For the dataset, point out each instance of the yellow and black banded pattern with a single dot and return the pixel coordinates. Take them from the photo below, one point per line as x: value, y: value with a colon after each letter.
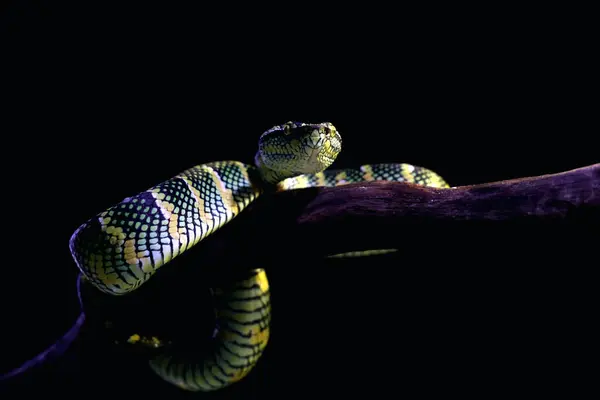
x: 122, y: 247
x: 369, y: 172
x: 243, y: 317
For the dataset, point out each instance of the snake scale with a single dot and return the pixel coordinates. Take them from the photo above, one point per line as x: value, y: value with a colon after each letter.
x: 119, y: 249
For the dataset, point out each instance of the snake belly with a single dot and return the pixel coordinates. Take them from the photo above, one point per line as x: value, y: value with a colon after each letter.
x: 121, y: 248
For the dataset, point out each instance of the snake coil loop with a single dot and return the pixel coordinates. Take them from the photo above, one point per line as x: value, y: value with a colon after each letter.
x: 122, y: 247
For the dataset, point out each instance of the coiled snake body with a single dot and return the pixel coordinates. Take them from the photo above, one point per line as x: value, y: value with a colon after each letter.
x: 122, y: 247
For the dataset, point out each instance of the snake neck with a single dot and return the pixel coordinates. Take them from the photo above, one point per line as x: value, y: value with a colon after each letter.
x: 270, y: 177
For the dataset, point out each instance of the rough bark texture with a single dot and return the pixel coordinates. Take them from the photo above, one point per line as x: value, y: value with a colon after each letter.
x: 528, y: 217
x: 522, y: 229
x: 543, y: 197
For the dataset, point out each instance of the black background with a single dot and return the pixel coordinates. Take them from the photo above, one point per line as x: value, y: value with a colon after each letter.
x: 104, y: 101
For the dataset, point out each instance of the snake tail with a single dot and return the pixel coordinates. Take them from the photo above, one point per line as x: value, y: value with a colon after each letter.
x: 243, y: 311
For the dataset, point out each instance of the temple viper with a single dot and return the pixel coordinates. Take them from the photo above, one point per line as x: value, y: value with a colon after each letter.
x: 119, y: 249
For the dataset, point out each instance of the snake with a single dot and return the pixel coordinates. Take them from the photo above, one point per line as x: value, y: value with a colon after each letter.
x: 122, y: 247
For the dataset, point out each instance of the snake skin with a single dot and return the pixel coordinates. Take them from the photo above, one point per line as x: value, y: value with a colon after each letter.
x: 369, y: 172
x: 122, y: 247
x: 125, y: 245
x: 243, y: 314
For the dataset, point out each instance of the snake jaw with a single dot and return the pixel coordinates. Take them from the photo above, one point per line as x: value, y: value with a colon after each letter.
x: 326, y: 148
x: 325, y: 144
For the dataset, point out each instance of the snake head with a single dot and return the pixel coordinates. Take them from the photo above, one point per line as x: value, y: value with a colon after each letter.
x: 297, y: 148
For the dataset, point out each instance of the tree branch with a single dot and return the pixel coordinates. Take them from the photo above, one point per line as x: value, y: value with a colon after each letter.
x: 480, y: 268
x: 548, y: 196
x: 492, y: 218
x: 517, y: 254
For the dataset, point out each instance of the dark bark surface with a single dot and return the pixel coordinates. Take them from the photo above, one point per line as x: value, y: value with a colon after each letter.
x: 532, y: 215
x: 491, y: 283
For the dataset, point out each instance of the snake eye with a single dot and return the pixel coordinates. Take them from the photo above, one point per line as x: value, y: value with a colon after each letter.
x: 287, y: 127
